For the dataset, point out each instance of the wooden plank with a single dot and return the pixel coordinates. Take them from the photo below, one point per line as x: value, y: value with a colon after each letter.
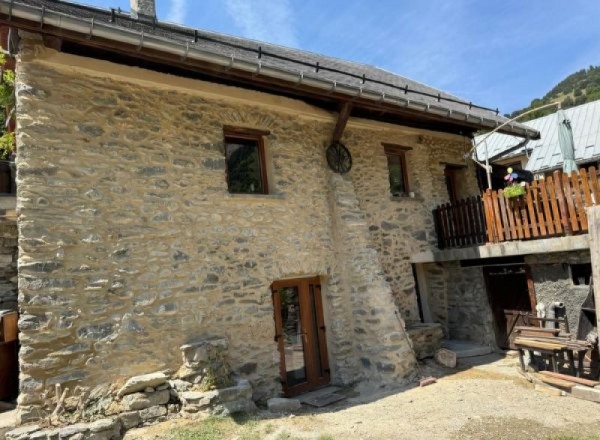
x: 538, y: 206
x: 533, y: 334
x: 558, y: 382
x: 594, y: 184
x: 530, y: 286
x: 526, y: 342
x: 510, y: 217
x: 505, y: 224
x: 549, y: 223
x: 453, y: 226
x: 556, y: 218
x: 585, y: 185
x: 470, y: 222
x: 567, y: 192
x: 532, y: 213
x: 497, y: 217
x: 474, y: 219
x: 475, y: 227
x: 446, y: 222
x: 480, y: 219
x: 515, y: 206
x: 540, y: 330
x: 467, y: 221
x: 579, y: 206
x: 446, y: 225
x: 579, y: 380
x: 524, y: 217
x: 490, y: 224
x: 464, y: 221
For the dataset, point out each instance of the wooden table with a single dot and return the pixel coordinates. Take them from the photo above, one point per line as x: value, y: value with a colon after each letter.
x: 554, y: 349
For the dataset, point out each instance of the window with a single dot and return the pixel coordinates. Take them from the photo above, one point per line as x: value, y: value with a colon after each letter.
x: 396, y: 159
x: 581, y: 274
x: 245, y: 161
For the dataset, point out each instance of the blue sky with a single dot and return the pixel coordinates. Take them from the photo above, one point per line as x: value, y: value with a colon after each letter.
x: 498, y: 53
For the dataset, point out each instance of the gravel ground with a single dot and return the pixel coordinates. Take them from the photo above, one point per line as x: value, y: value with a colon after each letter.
x: 488, y: 401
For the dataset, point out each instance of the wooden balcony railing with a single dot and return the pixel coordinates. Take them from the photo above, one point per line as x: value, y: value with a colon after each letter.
x: 551, y: 207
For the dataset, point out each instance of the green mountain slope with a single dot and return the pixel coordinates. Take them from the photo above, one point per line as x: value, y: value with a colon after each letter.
x: 576, y: 89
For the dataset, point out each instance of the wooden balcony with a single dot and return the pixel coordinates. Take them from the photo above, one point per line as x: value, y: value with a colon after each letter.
x: 552, y: 207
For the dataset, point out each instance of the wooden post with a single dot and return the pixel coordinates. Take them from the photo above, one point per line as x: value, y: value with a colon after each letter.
x: 593, y: 215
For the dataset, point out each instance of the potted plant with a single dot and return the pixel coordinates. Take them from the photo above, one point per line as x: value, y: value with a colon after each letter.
x: 513, y: 188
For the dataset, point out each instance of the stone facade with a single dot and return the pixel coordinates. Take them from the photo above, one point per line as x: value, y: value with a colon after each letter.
x: 457, y: 296
x: 131, y: 245
x: 458, y: 300
x: 401, y: 227
x: 553, y: 282
x: 426, y: 339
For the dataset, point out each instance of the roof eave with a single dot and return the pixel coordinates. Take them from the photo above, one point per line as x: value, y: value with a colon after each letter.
x: 10, y: 10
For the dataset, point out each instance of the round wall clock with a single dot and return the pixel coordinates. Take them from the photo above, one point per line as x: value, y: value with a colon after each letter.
x: 339, y: 158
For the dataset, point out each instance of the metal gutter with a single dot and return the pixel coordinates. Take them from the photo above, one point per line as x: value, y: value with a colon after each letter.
x: 186, y: 50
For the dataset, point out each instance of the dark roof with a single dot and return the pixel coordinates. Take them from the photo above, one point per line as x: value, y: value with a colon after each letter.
x: 291, y: 60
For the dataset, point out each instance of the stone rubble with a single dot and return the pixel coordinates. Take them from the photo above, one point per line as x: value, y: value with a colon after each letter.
x: 155, y: 397
x: 140, y: 383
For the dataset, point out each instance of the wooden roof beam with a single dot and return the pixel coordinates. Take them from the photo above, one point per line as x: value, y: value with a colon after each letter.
x: 342, y: 120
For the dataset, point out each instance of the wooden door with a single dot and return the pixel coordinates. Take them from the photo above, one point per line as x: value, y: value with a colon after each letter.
x: 510, y: 295
x: 300, y: 335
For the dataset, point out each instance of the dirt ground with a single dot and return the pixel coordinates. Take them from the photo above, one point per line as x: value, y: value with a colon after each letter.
x: 486, y: 399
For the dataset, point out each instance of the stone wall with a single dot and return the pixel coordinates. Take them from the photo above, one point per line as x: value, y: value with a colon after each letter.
x: 469, y: 312
x: 130, y: 242
x: 8, y: 265
x: 385, y: 354
x: 458, y: 300
x: 552, y: 282
x: 436, y: 293
x: 426, y: 339
x: 131, y: 245
x: 401, y: 227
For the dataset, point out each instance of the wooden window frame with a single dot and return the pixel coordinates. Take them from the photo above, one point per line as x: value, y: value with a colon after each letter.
x: 248, y: 134
x: 398, y: 151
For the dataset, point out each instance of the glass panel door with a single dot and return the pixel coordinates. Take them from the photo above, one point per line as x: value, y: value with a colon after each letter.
x: 300, y: 334
x: 293, y: 336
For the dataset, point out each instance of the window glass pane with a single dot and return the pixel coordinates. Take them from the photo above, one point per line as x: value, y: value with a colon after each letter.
x: 293, y: 336
x: 396, y: 173
x: 243, y: 166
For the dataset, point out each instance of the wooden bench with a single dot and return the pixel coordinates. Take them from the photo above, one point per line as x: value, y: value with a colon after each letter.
x: 552, y: 347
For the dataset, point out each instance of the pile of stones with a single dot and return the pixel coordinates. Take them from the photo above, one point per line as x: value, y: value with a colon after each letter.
x: 202, y: 386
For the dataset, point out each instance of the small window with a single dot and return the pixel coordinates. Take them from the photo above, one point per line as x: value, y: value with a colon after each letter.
x: 581, y: 274
x: 396, y: 159
x: 245, y: 161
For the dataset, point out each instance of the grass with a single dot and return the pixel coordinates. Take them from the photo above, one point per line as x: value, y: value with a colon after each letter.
x: 242, y: 428
x: 239, y: 428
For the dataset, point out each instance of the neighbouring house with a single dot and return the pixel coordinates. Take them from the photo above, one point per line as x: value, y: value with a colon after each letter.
x: 179, y: 189
x: 542, y: 156
x: 502, y: 256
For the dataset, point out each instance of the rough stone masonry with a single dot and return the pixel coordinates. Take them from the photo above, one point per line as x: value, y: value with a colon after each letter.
x: 131, y: 245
